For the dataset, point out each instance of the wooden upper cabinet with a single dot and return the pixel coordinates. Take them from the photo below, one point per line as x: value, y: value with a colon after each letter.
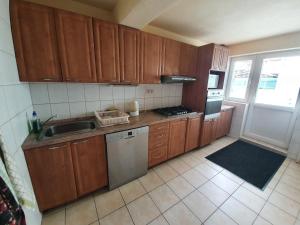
x: 151, y: 56
x: 106, y: 51
x: 90, y: 164
x: 129, y: 40
x: 220, y: 58
x: 76, y: 46
x: 171, y: 57
x: 193, y: 133
x: 177, y: 137
x: 34, y: 35
x: 52, y: 176
x: 188, y: 59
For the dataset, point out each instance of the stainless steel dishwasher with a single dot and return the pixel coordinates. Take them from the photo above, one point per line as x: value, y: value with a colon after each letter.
x: 127, y: 154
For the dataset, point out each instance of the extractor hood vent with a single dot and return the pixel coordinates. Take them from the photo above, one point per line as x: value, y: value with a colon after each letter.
x: 176, y: 79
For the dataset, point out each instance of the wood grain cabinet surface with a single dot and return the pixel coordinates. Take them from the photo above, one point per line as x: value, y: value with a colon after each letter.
x: 106, y: 40
x: 188, y: 60
x: 34, y: 35
x: 177, y: 137
x: 151, y: 58
x: 129, y: 42
x: 76, y: 46
x: 90, y: 167
x: 220, y: 58
x: 193, y: 133
x: 171, y: 57
x: 224, y: 123
x: 52, y: 176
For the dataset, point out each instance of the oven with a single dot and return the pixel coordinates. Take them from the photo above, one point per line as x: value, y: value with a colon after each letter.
x: 213, y: 103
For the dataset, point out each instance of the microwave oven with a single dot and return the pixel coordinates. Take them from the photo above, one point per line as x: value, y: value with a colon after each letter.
x: 213, y: 81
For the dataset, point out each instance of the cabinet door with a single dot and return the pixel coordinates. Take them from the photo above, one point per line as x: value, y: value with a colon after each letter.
x: 52, y: 175
x: 129, y: 39
x: 107, y: 51
x: 206, y: 133
x: 188, y: 59
x: 227, y: 121
x: 221, y: 125
x: 157, y: 155
x: 214, y: 128
x: 193, y: 133
x: 177, y: 137
x: 171, y: 57
x: 90, y: 165
x: 76, y: 46
x: 34, y: 35
x: 151, y: 55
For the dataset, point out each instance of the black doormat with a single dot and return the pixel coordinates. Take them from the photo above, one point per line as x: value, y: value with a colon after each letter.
x: 250, y: 162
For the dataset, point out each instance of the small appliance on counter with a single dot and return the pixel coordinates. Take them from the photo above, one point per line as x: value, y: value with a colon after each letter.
x: 213, y: 103
x: 133, y: 108
x: 173, y: 111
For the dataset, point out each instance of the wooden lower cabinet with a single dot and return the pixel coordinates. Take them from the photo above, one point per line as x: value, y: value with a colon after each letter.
x: 177, y: 137
x: 208, y: 132
x: 52, y: 176
x: 157, y: 155
x: 90, y: 167
x: 224, y: 123
x: 63, y: 172
x: 193, y: 133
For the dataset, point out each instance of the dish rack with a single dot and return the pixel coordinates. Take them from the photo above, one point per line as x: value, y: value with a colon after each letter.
x: 110, y: 118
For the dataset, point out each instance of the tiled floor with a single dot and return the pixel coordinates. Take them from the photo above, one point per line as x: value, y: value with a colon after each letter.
x: 190, y: 190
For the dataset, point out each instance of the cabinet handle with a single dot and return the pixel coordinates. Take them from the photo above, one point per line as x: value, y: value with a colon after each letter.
x: 57, y: 147
x: 48, y: 79
x: 80, y: 142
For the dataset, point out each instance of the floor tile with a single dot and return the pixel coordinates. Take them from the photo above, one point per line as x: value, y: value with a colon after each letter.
x: 261, y: 193
x: 143, y: 210
x: 180, y: 214
x: 290, y: 181
x: 249, y: 199
x: 82, y: 212
x: 199, y: 205
x: 165, y: 172
x: 220, y: 218
x: 232, y: 177
x: 238, y: 212
x: 132, y: 191
x: 179, y: 165
x: 225, y: 183
x: 191, y: 160
x: 206, y: 170
x: 294, y: 172
x: 151, y: 180
x: 108, y: 202
x: 120, y: 217
x: 57, y: 218
x: 261, y: 221
x: 164, y: 197
x: 288, y: 191
x: 194, y: 177
x: 213, y: 193
x: 297, y: 222
x: 95, y: 223
x: 272, y: 184
x: 285, y: 203
x: 276, y: 216
x: 159, y: 221
x: 214, y: 166
x: 180, y: 186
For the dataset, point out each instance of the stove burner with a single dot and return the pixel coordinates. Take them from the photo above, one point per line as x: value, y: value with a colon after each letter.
x: 173, y: 111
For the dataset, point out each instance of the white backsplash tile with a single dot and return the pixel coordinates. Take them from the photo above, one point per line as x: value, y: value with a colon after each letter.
x: 8, y: 69
x: 140, y: 91
x: 130, y: 92
x: 118, y: 92
x: 104, y: 105
x: 149, y: 103
x: 92, y: 106
x: 6, y: 42
x: 43, y: 111
x: 61, y: 110
x: 4, y: 10
x: 91, y: 92
x: 77, y: 109
x: 4, y: 116
x: 106, y: 92
x: 75, y: 92
x: 39, y: 93
x: 119, y: 104
x: 58, y: 92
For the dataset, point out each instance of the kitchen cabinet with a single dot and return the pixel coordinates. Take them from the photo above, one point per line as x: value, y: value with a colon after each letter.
x: 129, y: 40
x: 177, y: 137
x: 158, y: 143
x: 220, y: 58
x: 76, y: 46
x: 193, y: 133
x: 35, y: 43
x: 171, y: 57
x: 151, y: 56
x: 51, y: 172
x: 188, y: 60
x: 107, y: 51
x: 208, y: 131
x: 224, y: 123
x: 90, y: 167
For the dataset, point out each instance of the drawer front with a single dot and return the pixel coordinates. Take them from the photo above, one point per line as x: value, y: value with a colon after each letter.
x: 157, y: 156
x: 158, y: 128
x: 158, y: 139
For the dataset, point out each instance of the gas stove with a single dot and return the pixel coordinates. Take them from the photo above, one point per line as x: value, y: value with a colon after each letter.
x: 173, y: 111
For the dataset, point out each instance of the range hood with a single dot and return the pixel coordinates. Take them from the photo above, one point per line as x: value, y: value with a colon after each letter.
x: 176, y: 79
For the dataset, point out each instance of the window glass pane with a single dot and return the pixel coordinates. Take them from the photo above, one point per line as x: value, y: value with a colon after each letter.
x: 239, y: 79
x: 279, y: 81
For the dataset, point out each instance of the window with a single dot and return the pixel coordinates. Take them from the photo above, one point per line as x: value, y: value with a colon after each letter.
x: 240, y: 74
x: 279, y: 81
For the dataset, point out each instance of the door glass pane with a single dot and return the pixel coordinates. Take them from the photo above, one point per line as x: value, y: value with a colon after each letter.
x: 279, y: 81
x: 240, y: 78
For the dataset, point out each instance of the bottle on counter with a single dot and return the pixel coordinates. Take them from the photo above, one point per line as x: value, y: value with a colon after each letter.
x: 36, y: 123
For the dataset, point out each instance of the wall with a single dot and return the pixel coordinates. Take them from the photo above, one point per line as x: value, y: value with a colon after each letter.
x: 73, y: 100
x: 15, y: 105
x: 281, y: 42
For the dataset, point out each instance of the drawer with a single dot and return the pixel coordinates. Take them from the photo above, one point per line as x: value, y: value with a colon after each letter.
x: 160, y: 127
x: 158, y: 140
x: 157, y: 156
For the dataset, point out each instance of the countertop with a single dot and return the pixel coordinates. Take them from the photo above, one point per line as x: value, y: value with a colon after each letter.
x: 226, y: 107
x: 144, y: 119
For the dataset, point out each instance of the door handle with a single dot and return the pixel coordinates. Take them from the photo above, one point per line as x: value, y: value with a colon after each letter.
x: 129, y: 137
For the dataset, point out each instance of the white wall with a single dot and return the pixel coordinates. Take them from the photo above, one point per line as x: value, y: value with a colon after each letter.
x: 15, y: 104
x: 68, y: 100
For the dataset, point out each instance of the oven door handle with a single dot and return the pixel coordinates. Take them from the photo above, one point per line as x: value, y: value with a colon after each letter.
x: 214, y: 99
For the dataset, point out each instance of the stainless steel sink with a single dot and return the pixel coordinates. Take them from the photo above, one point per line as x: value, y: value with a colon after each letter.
x: 78, y: 126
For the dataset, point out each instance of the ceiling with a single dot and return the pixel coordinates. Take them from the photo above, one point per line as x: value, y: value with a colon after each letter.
x: 103, y: 4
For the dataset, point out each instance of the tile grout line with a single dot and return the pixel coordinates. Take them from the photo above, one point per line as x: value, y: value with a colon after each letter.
x: 126, y: 206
